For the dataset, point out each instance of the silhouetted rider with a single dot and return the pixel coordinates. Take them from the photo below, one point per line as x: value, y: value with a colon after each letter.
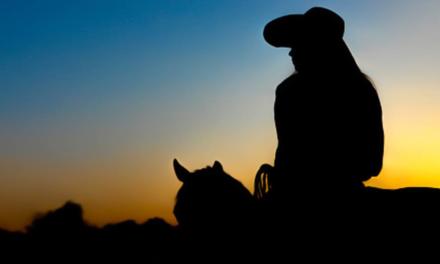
x: 327, y: 113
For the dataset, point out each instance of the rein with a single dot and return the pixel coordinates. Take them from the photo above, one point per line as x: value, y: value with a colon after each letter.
x: 263, y: 181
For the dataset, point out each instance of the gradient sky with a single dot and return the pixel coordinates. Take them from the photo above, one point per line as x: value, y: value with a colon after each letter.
x: 98, y: 97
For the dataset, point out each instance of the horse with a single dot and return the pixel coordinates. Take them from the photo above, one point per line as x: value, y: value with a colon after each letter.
x: 210, y: 197
x: 216, y: 207
x: 212, y: 207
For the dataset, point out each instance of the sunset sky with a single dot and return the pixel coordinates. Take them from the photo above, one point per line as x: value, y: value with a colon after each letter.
x: 97, y: 97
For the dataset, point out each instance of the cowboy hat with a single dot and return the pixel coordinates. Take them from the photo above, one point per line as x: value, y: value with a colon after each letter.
x: 317, y: 23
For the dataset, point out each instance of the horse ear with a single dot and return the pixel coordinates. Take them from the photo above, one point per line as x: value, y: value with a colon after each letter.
x: 181, y: 172
x: 217, y: 166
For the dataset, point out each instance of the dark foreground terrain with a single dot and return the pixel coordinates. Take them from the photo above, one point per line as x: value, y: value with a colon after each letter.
x: 407, y: 222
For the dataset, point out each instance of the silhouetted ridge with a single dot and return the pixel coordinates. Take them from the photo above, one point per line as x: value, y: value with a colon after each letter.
x: 62, y: 235
x: 66, y: 221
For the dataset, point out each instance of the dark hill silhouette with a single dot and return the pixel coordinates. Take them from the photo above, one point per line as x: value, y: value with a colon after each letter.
x: 62, y: 235
x: 66, y: 221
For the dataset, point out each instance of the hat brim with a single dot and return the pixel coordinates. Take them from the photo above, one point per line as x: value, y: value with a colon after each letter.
x: 279, y: 32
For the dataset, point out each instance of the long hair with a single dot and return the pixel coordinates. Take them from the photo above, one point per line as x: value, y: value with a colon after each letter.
x: 328, y: 118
